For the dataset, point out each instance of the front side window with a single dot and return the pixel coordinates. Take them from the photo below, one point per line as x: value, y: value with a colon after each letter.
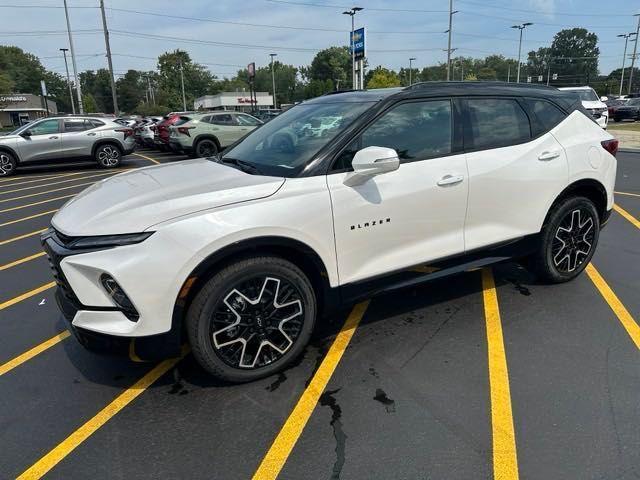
x: 416, y: 131
x: 46, y: 127
x: 547, y: 115
x: 496, y: 122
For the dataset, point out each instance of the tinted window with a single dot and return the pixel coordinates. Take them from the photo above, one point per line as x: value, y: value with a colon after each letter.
x: 417, y: 131
x: 96, y: 123
x: 247, y: 120
x: 496, y: 122
x: 547, y: 115
x: 45, y: 127
x: 76, y: 125
x: 225, y: 119
x: 206, y: 119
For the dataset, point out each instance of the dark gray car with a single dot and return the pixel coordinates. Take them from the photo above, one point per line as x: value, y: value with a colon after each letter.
x: 61, y: 138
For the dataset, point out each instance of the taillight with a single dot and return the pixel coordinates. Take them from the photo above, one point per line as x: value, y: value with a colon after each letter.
x: 610, y: 146
x: 185, y: 130
x: 127, y: 132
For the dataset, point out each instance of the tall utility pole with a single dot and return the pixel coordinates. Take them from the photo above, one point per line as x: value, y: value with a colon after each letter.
x: 106, y: 42
x: 273, y: 80
x: 624, y: 56
x: 635, y: 49
x: 73, y: 61
x: 184, y: 99
x: 521, y: 28
x: 411, y: 69
x: 548, y: 70
x: 450, y: 31
x: 352, y: 13
x: 66, y: 67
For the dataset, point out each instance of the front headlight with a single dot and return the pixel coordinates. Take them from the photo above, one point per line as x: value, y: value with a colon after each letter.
x: 106, y: 241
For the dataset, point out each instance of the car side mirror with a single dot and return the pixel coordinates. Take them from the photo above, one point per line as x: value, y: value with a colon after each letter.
x: 371, y: 161
x: 26, y: 133
x: 604, y: 99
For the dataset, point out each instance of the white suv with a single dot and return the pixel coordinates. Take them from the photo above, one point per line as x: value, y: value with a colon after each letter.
x: 241, y: 254
x: 592, y: 103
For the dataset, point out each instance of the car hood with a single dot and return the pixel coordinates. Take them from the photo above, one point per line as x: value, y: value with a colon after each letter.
x: 627, y: 107
x: 593, y: 104
x: 134, y: 201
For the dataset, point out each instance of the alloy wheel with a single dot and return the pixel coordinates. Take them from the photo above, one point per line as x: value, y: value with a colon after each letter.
x: 206, y: 148
x: 257, y: 322
x: 109, y: 156
x: 6, y: 165
x: 573, y: 240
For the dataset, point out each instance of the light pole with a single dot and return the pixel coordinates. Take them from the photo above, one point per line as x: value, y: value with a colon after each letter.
x: 184, y: 99
x: 66, y: 67
x: 635, y: 49
x: 624, y: 56
x: 521, y: 28
x: 352, y: 14
x: 410, y: 68
x: 449, y: 31
x: 73, y: 61
x: 273, y: 79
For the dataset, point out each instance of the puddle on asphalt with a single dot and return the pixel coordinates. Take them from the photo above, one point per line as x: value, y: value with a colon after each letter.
x: 389, y: 403
x: 276, y: 383
x: 327, y: 399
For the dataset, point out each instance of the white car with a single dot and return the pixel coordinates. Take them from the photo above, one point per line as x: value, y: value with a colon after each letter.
x: 241, y: 254
x: 592, y: 103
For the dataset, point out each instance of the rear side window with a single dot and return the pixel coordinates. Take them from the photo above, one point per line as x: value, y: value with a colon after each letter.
x: 496, y: 122
x: 96, y: 123
x: 76, y: 125
x: 547, y: 115
x: 222, y: 120
x: 182, y: 120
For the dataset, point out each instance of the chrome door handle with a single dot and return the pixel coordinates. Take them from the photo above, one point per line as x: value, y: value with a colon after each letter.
x: 53, y: 138
x: 450, y: 180
x: 546, y: 156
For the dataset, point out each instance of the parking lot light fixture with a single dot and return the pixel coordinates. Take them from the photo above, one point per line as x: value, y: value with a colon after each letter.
x: 352, y: 14
x: 66, y: 67
x: 273, y: 79
x: 521, y: 28
x: 624, y: 55
x: 411, y: 68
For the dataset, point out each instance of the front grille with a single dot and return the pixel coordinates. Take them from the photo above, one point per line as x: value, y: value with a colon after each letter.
x: 54, y: 263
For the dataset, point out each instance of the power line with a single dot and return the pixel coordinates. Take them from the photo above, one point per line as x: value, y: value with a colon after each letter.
x: 562, y: 25
x: 522, y: 10
x: 35, y: 33
x: 42, y: 6
x: 305, y: 4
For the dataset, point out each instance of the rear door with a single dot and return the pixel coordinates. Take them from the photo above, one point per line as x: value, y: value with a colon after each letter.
x: 78, y: 137
x: 44, y: 142
x: 225, y: 128
x: 516, y: 168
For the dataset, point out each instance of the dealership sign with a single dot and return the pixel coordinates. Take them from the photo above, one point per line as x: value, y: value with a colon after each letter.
x: 358, y: 43
x: 13, y: 99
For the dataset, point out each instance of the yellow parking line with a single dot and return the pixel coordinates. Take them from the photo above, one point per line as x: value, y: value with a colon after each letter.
x: 616, y: 305
x: 21, y: 189
x: 634, y: 221
x: 36, y: 215
x: 20, y: 237
x: 147, y: 158
x: 44, y: 178
x: 45, y: 192
x: 284, y: 442
x: 36, y: 203
x: 15, y: 263
x: 26, y: 295
x: 628, y: 194
x: 64, y: 448
x: 505, y: 459
x: 29, y: 354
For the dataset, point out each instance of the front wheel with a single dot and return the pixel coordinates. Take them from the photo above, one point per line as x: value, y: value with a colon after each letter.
x: 251, y: 319
x: 8, y: 164
x: 568, y: 241
x: 108, y: 156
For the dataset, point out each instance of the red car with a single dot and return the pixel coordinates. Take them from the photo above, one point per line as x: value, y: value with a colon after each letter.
x: 161, y: 137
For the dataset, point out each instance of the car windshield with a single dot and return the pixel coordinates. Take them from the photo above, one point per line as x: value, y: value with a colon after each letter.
x: 585, y: 95
x: 634, y: 102
x: 285, y: 145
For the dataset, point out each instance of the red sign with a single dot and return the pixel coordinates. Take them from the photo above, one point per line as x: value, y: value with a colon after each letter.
x: 246, y: 100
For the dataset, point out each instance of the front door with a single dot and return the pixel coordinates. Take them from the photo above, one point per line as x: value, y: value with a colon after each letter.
x: 44, y: 142
x: 406, y: 217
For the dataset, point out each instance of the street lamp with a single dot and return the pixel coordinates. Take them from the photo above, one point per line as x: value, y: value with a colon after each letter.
x: 521, y: 28
x: 66, y: 67
x: 273, y: 79
x: 410, y: 68
x: 352, y: 14
x: 624, y: 55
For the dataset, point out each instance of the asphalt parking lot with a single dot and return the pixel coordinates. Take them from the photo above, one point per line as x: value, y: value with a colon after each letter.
x: 482, y: 375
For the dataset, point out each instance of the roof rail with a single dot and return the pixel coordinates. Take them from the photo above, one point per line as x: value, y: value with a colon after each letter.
x: 475, y: 83
x: 334, y: 92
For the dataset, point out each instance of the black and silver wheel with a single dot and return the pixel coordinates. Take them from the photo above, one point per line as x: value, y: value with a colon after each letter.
x: 7, y: 164
x: 568, y: 240
x: 251, y: 319
x: 108, y: 156
x: 206, y: 148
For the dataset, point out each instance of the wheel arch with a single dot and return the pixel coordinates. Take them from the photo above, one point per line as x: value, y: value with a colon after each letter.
x: 206, y: 136
x: 107, y: 141
x: 586, y: 187
x: 10, y: 150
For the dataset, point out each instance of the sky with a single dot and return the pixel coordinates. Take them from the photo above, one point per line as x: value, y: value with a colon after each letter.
x: 226, y: 35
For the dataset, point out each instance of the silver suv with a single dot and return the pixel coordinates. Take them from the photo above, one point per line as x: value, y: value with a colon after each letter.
x: 66, y: 138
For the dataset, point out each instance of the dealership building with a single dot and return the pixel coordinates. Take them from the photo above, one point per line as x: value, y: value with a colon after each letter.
x: 233, y: 101
x: 19, y: 108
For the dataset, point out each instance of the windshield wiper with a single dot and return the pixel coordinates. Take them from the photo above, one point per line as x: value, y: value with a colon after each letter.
x: 246, y: 167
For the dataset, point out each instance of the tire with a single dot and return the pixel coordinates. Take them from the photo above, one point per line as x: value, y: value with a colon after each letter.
x: 227, y: 330
x: 8, y: 164
x: 568, y: 241
x: 205, y: 148
x: 108, y: 155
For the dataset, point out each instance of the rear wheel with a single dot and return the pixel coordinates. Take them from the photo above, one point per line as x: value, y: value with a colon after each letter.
x: 251, y: 319
x: 108, y: 156
x: 8, y: 164
x: 205, y: 148
x: 568, y: 241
